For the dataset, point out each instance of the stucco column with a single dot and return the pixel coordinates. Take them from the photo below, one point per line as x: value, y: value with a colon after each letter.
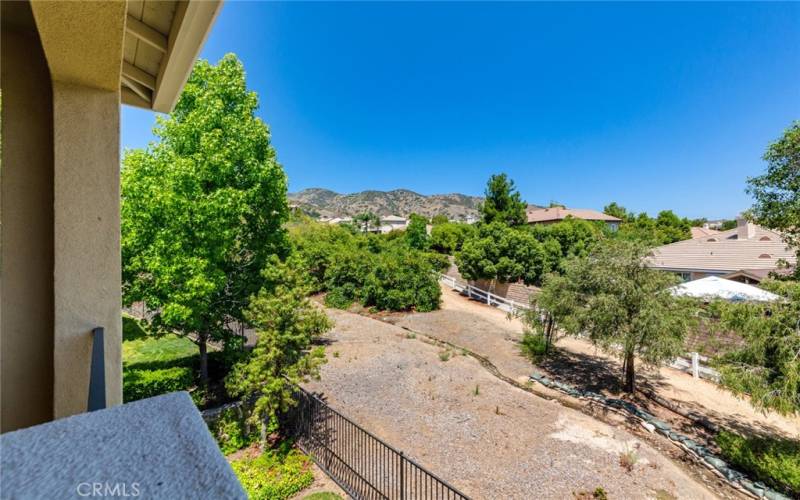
x: 87, y: 274
x: 83, y: 42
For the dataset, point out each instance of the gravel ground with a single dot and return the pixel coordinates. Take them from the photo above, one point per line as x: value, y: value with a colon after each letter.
x: 488, y: 331
x: 486, y: 437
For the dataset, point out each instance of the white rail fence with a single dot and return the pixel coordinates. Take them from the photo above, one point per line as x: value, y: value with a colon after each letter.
x: 690, y: 363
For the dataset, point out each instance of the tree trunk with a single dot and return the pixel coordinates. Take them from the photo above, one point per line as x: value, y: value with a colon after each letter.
x: 203, y: 345
x: 630, y: 373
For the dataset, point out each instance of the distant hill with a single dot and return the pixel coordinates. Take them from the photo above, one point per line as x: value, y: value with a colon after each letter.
x: 324, y: 202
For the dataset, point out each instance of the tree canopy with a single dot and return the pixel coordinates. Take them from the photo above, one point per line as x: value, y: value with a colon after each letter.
x: 623, y: 306
x: 767, y: 365
x: 287, y: 324
x: 202, y: 208
x: 502, y: 253
x: 417, y: 232
x: 502, y: 202
x: 777, y: 191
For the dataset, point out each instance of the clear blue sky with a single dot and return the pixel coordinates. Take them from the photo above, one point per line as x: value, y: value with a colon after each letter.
x: 652, y: 105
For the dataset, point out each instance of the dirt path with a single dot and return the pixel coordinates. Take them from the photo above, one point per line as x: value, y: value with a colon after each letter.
x: 493, y: 334
x: 483, y: 435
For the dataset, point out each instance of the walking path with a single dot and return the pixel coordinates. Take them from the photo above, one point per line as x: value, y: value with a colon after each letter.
x: 485, y: 436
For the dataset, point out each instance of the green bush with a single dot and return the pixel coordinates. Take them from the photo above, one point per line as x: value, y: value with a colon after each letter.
x: 533, y: 346
x: 773, y: 461
x: 232, y: 431
x: 275, y: 474
x: 141, y: 384
x: 346, y: 276
x: 401, y: 281
x: 323, y: 495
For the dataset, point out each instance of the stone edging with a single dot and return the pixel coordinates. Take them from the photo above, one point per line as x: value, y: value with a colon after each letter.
x: 718, y: 466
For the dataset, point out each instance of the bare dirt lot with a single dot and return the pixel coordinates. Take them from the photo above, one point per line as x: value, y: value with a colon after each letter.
x: 485, y: 436
x: 489, y: 332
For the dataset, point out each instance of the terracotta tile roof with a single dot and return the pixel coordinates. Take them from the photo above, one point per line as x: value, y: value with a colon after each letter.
x: 560, y: 213
x: 725, y: 252
x: 699, y: 232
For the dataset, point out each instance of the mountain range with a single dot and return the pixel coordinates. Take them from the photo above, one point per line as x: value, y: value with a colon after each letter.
x: 320, y: 202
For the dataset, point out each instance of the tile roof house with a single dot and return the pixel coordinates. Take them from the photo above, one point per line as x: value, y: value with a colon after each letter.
x: 556, y: 214
x: 700, y: 232
x: 747, y: 247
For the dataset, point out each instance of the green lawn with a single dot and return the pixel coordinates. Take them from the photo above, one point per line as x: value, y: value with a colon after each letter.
x: 138, y: 348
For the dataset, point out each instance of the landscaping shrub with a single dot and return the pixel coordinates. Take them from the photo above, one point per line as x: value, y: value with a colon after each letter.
x: 141, y: 384
x: 773, y: 461
x: 533, y: 346
x: 401, y: 281
x: 232, y: 431
x: 275, y: 474
x: 346, y: 276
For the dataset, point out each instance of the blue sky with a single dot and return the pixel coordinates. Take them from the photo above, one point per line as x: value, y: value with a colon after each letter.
x: 654, y: 106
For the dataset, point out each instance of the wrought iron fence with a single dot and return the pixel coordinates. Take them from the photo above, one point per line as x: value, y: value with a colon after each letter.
x: 362, y: 464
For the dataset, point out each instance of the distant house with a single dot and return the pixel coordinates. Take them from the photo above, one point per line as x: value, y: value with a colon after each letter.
x: 390, y: 223
x: 557, y: 214
x: 747, y: 253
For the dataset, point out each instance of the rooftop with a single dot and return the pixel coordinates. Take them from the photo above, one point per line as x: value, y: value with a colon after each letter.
x: 748, y: 246
x: 560, y: 213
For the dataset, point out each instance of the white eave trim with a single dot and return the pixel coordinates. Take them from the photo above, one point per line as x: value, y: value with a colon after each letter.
x: 193, y: 21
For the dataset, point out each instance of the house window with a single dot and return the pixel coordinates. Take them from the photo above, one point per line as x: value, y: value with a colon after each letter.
x: 685, y: 276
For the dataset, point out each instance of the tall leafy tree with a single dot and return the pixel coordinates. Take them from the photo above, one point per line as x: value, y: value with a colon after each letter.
x: 623, y: 306
x: 288, y: 326
x: 777, y: 191
x: 202, y: 209
x: 417, y: 232
x: 503, y: 202
x: 501, y: 253
x: 614, y: 209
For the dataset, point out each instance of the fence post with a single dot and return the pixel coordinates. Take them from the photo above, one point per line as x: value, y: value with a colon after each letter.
x: 402, y: 476
x: 695, y: 365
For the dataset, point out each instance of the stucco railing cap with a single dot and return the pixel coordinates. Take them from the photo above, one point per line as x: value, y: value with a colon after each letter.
x: 159, y: 447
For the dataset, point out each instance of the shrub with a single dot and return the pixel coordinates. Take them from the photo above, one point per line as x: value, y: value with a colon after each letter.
x: 346, y: 275
x: 773, y: 461
x: 438, y: 261
x: 232, y: 431
x: 323, y: 495
x: 275, y: 474
x: 401, y: 281
x: 533, y: 346
x: 141, y: 384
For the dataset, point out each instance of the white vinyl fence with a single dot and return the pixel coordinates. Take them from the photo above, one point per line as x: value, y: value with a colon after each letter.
x: 690, y: 363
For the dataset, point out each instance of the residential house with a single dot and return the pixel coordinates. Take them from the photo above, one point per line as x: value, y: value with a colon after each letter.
x: 747, y: 253
x: 390, y: 223
x: 557, y: 214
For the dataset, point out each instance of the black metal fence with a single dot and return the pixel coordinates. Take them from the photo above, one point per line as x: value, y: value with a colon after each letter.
x: 363, y: 465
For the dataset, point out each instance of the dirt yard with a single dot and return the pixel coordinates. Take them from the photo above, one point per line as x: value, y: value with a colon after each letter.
x: 485, y: 436
x: 489, y: 331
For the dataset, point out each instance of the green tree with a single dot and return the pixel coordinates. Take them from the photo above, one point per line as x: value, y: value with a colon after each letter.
x: 503, y: 202
x: 439, y: 219
x: 623, y: 306
x: 417, y: 232
x: 777, y: 191
x: 366, y: 222
x: 448, y: 238
x: 616, y: 210
x: 288, y: 325
x: 501, y: 253
x: 767, y: 365
x: 202, y: 209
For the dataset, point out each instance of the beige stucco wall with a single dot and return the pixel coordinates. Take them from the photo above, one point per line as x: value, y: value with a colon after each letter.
x: 87, y: 270
x: 26, y: 342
